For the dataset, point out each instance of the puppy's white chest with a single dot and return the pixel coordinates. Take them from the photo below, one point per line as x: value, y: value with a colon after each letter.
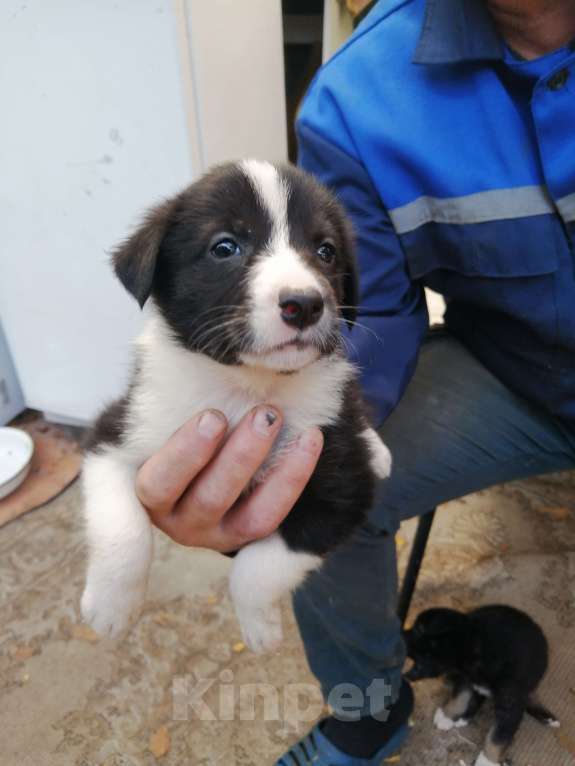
x: 174, y: 385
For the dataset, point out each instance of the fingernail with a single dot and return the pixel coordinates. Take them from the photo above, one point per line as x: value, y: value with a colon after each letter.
x: 310, y: 442
x: 264, y: 420
x: 211, y: 424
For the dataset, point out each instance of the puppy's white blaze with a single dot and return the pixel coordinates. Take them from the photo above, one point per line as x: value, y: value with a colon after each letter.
x: 262, y: 573
x: 279, y: 266
x: 119, y: 537
x: 483, y: 760
x: 381, y: 460
x: 272, y: 192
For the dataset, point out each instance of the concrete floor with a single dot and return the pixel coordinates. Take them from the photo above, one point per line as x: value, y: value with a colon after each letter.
x: 68, y: 699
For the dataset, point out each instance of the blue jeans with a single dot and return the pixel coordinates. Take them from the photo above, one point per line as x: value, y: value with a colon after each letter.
x: 456, y: 430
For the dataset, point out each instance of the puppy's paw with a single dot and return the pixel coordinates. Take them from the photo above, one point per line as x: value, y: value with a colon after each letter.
x: 111, y: 611
x: 443, y: 722
x: 381, y: 460
x: 261, y: 630
x: 483, y: 760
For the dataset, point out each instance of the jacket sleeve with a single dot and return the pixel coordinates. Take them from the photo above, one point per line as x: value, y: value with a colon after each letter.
x: 392, y: 313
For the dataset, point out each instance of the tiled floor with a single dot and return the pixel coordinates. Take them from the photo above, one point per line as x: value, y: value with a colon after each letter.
x: 67, y: 699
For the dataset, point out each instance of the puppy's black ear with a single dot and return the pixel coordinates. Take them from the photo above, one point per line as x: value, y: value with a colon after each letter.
x: 135, y: 259
x: 350, y: 291
x: 439, y: 622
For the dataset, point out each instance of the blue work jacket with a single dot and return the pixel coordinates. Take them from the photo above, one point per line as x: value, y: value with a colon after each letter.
x: 456, y: 160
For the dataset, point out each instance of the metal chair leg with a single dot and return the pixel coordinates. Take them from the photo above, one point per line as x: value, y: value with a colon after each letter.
x: 414, y: 565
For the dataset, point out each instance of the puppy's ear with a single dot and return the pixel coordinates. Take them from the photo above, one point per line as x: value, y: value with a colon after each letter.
x: 439, y: 622
x: 134, y: 261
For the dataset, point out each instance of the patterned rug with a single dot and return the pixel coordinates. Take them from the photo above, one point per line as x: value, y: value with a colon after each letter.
x: 182, y: 690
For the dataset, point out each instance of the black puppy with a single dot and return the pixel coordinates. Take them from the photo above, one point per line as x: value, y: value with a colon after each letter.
x: 249, y: 278
x: 494, y: 651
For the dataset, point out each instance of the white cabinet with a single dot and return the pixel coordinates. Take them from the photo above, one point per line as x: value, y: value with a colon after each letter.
x: 107, y: 107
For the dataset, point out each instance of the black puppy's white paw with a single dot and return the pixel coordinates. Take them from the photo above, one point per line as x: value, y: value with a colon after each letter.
x: 443, y: 722
x: 483, y: 760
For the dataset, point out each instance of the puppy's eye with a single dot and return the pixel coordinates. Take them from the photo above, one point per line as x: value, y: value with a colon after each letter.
x: 326, y: 251
x: 225, y: 248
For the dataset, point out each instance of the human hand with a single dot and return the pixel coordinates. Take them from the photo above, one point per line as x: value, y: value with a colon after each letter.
x: 192, y: 487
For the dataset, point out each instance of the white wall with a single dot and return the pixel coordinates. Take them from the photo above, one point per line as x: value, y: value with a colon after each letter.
x: 91, y: 132
x: 107, y: 106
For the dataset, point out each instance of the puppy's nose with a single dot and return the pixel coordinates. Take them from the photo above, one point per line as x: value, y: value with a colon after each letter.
x: 300, y: 308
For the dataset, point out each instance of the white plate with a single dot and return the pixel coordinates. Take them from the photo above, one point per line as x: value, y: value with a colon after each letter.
x: 16, y: 450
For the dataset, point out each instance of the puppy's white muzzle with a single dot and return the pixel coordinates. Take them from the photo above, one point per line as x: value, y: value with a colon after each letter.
x: 291, y: 313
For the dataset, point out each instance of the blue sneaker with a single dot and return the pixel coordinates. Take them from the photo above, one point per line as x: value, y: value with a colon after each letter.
x: 316, y: 749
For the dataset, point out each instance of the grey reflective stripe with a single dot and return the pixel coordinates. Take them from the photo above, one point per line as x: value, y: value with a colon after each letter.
x: 566, y: 207
x: 494, y: 205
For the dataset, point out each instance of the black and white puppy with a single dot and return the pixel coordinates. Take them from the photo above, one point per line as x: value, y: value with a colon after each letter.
x: 494, y: 651
x: 249, y: 277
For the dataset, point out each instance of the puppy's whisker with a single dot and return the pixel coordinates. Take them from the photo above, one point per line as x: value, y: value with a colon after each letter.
x: 223, y: 316
x: 363, y: 327
x: 203, y: 333
x: 348, y: 345
x: 212, y: 326
x: 217, y: 327
x: 356, y: 306
x: 231, y: 344
x: 224, y: 308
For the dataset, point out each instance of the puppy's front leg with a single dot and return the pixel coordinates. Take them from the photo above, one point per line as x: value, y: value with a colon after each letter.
x: 464, y: 703
x: 119, y: 537
x: 262, y: 573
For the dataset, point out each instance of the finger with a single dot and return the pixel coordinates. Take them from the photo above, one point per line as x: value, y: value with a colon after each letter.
x: 165, y: 476
x: 225, y: 478
x: 259, y: 514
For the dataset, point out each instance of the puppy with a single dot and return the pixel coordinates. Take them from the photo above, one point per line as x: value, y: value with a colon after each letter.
x: 494, y: 651
x: 249, y: 277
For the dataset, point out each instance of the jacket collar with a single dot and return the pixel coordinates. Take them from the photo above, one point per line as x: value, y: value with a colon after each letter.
x: 456, y: 31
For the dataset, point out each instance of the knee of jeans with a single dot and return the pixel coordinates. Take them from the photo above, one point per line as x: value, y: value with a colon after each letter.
x: 377, y: 532
x: 384, y: 517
